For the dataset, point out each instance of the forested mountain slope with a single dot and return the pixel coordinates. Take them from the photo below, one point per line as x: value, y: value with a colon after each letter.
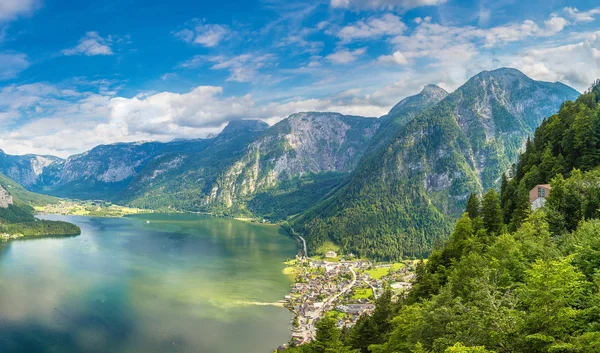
x: 491, y: 289
x: 16, y: 214
x: 404, y: 197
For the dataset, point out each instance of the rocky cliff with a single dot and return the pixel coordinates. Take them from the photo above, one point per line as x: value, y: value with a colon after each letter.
x: 26, y: 169
x: 303, y: 144
x: 5, y: 198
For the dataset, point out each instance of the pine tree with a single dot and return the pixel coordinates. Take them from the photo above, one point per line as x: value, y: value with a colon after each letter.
x: 328, y: 338
x: 492, y: 213
x: 522, y: 208
x: 473, y: 206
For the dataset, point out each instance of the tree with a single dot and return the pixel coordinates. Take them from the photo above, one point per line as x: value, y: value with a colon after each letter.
x: 551, y: 295
x: 492, y: 213
x: 521, y: 209
x: 328, y: 338
x: 473, y: 206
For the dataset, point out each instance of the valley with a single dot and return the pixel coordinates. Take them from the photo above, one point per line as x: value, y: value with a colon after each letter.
x: 379, y: 190
x: 386, y: 188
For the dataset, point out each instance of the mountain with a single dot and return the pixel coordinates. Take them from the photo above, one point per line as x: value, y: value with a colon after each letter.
x: 181, y: 177
x: 307, y: 153
x: 108, y: 170
x: 405, y: 196
x: 489, y: 288
x: 386, y: 187
x: 406, y: 110
x: 26, y: 170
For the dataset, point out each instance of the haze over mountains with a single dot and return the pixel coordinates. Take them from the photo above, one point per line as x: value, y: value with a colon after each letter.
x: 400, y: 180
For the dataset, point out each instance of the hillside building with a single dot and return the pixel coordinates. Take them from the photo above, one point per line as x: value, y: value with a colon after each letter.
x: 538, y: 195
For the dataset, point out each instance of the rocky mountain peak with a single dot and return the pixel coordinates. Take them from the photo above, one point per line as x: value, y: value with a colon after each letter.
x: 237, y: 127
x: 429, y: 95
x: 433, y: 91
x: 506, y: 78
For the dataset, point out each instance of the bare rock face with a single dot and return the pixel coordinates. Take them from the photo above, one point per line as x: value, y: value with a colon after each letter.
x: 27, y: 169
x: 5, y: 198
x: 304, y: 143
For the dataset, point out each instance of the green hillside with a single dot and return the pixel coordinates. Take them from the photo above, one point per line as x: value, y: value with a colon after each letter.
x: 23, y: 196
x: 406, y: 196
x: 17, y: 219
x: 490, y: 289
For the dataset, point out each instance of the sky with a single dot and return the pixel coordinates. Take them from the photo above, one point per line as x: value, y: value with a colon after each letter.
x: 75, y: 74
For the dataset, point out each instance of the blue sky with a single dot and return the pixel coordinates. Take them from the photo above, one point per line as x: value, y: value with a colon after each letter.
x: 74, y: 74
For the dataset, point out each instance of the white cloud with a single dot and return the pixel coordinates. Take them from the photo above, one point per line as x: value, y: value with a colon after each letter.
x: 91, y: 44
x: 11, y: 64
x: 582, y: 16
x: 438, y: 43
x: 58, y: 123
x: 447, y: 44
x: 207, y: 35
x: 345, y: 56
x: 168, y: 75
x: 165, y: 113
x: 11, y: 9
x: 384, y: 4
x: 576, y: 64
x: 519, y: 31
x: 396, y: 58
x: 242, y: 68
x: 372, y: 28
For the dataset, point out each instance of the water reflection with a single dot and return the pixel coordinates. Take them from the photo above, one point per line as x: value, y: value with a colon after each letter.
x: 124, y: 285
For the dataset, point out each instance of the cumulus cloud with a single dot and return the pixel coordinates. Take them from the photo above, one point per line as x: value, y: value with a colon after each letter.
x: 11, y: 9
x: 62, y: 122
x: 519, y: 31
x: 165, y: 112
x: 11, y: 64
x: 576, y: 64
x: 372, y: 28
x: 207, y: 35
x: 345, y: 56
x: 91, y: 44
x: 384, y: 4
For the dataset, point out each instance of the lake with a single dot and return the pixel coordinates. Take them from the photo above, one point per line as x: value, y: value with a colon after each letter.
x: 180, y: 283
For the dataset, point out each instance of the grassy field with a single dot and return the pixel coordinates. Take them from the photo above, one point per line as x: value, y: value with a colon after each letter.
x: 291, y: 271
x: 327, y: 246
x: 80, y: 208
x: 362, y: 293
x: 378, y: 273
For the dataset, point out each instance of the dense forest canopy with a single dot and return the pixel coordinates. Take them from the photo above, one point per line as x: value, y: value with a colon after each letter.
x: 507, y: 280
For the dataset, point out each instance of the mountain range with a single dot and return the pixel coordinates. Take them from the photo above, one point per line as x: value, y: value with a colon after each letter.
x: 383, y: 187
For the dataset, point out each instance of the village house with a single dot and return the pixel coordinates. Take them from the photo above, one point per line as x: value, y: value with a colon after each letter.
x: 538, y: 195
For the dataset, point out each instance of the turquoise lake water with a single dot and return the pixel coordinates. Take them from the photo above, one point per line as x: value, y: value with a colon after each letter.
x: 180, y: 283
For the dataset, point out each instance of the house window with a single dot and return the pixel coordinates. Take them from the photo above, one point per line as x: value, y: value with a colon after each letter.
x: 541, y: 192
